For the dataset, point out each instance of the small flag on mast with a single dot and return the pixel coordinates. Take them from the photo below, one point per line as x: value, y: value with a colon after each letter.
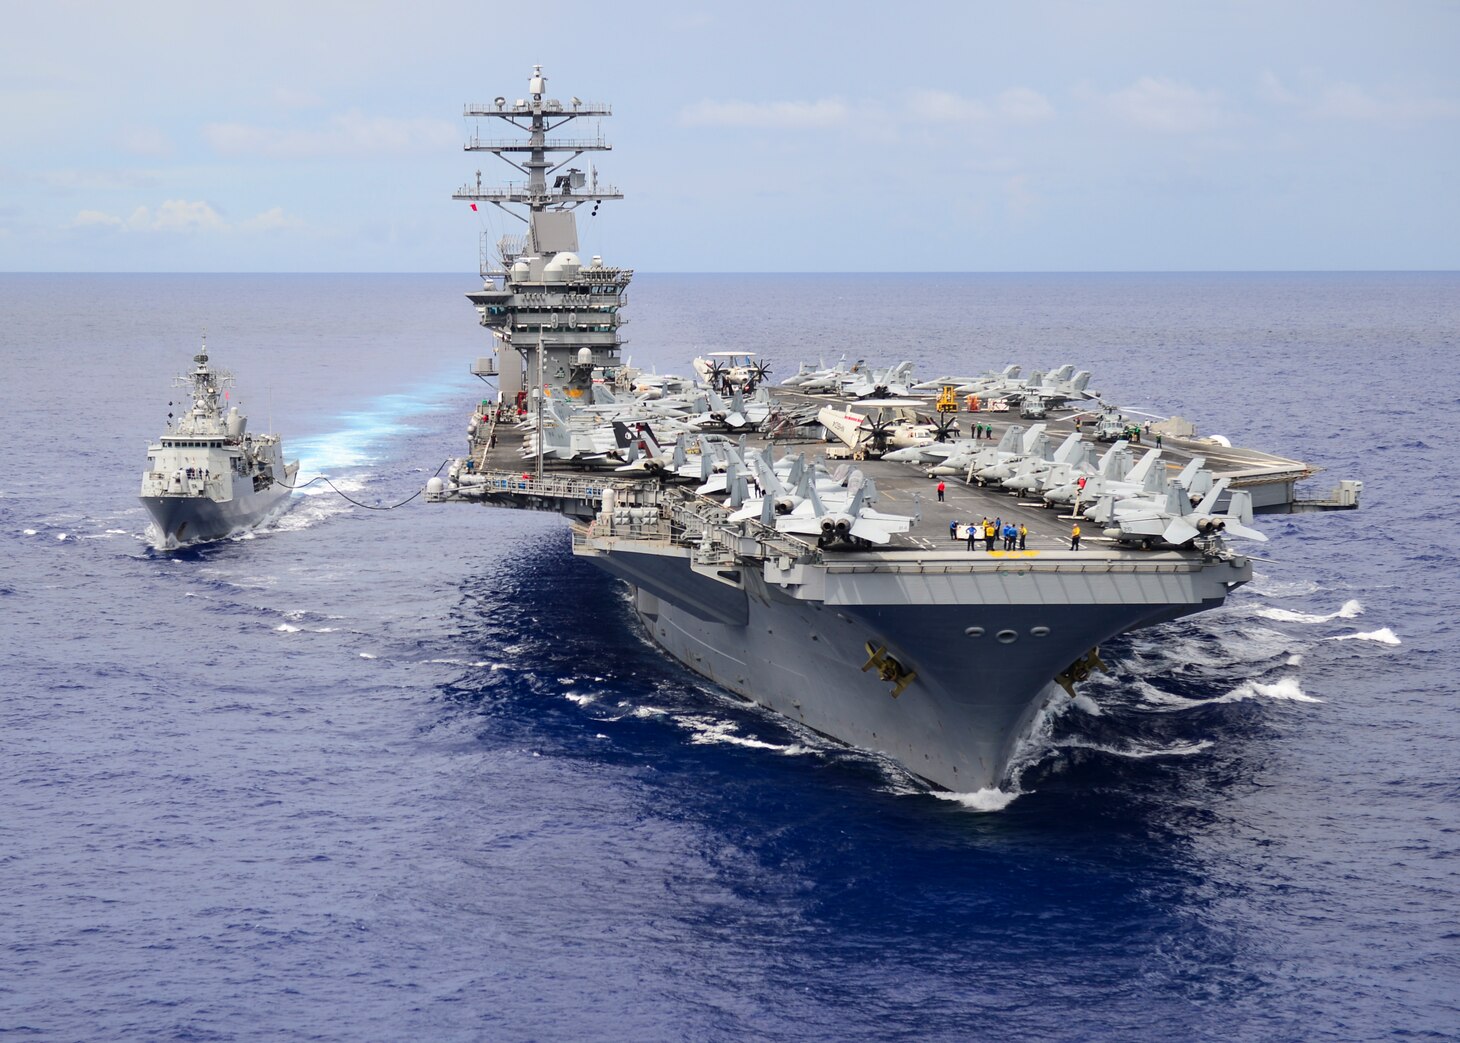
x: 473, y: 206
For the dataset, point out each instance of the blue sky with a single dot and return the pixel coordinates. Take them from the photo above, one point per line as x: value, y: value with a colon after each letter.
x: 751, y: 136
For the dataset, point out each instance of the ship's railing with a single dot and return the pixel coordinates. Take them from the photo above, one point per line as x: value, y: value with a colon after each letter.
x: 641, y: 510
x: 550, y: 485
x: 549, y: 105
x: 1062, y: 565
x: 703, y: 522
x: 596, y: 302
x: 524, y: 144
x: 160, y: 483
x: 522, y: 192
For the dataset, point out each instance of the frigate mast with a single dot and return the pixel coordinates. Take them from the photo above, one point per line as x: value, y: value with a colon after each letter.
x: 536, y: 294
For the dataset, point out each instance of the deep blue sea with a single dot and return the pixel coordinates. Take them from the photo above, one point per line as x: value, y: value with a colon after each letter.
x: 415, y: 774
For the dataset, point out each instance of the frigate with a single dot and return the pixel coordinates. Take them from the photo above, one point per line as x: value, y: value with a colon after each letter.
x: 208, y: 476
x: 836, y: 592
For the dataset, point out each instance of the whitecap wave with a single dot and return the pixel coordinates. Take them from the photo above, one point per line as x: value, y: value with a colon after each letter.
x: 307, y: 513
x: 366, y: 655
x: 1283, y: 688
x: 1160, y: 701
x: 1350, y: 609
x: 581, y: 700
x: 1137, y: 752
x: 1383, y: 635
x: 981, y: 800
x: 708, y: 731
x: 285, y: 628
x: 1087, y: 705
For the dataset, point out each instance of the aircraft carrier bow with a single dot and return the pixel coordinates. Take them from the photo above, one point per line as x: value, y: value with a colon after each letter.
x: 790, y: 544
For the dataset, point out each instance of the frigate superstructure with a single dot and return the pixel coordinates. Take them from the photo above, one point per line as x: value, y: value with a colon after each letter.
x: 208, y: 476
x: 773, y: 572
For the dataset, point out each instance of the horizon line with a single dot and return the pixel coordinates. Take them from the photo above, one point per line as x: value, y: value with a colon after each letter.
x: 1005, y: 271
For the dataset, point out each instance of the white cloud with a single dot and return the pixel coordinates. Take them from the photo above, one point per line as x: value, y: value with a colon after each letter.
x: 269, y: 220
x: 145, y: 141
x: 934, y: 106
x: 1335, y: 100
x: 176, y: 215
x: 1023, y: 105
x: 1272, y: 89
x: 349, y: 134
x: 1347, y: 101
x: 95, y: 217
x: 774, y: 115
x: 182, y: 216
x: 1166, y: 106
x: 1017, y: 105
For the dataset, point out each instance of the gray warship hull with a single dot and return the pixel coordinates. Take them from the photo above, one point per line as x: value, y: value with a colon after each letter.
x: 181, y: 519
x: 989, y: 642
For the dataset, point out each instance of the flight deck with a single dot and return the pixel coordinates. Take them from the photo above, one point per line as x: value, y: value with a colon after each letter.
x: 504, y: 474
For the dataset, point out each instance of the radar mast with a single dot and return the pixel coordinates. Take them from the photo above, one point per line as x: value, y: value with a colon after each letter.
x: 537, y: 294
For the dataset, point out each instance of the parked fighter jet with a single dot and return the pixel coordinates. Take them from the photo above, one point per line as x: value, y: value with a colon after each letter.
x: 826, y: 380
x: 888, y: 383
x: 971, y: 383
x: 735, y: 415
x: 1115, y: 464
x: 1017, y: 442
x: 1028, y: 473
x: 640, y: 450
x: 1053, y: 389
x: 588, y: 447
x: 855, y: 523
x: 1177, y: 523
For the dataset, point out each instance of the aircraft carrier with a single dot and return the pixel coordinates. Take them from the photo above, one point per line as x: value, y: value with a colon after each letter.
x: 885, y: 630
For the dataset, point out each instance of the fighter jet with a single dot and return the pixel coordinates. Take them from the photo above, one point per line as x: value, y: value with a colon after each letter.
x: 1177, y: 523
x: 889, y: 383
x: 1017, y: 442
x: 825, y: 380
x: 855, y: 523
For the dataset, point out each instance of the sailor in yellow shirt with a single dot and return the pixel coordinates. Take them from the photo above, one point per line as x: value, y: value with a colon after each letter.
x: 1075, y: 536
x: 1023, y: 535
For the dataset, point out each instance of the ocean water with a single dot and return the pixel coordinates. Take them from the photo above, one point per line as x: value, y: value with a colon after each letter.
x: 415, y: 774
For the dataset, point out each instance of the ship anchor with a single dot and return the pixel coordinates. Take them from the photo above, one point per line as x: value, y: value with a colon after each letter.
x: 1080, y: 670
x: 889, y: 669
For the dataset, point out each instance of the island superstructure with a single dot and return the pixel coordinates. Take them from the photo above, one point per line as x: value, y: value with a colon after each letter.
x: 207, y: 476
x: 555, y: 318
x: 838, y: 593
